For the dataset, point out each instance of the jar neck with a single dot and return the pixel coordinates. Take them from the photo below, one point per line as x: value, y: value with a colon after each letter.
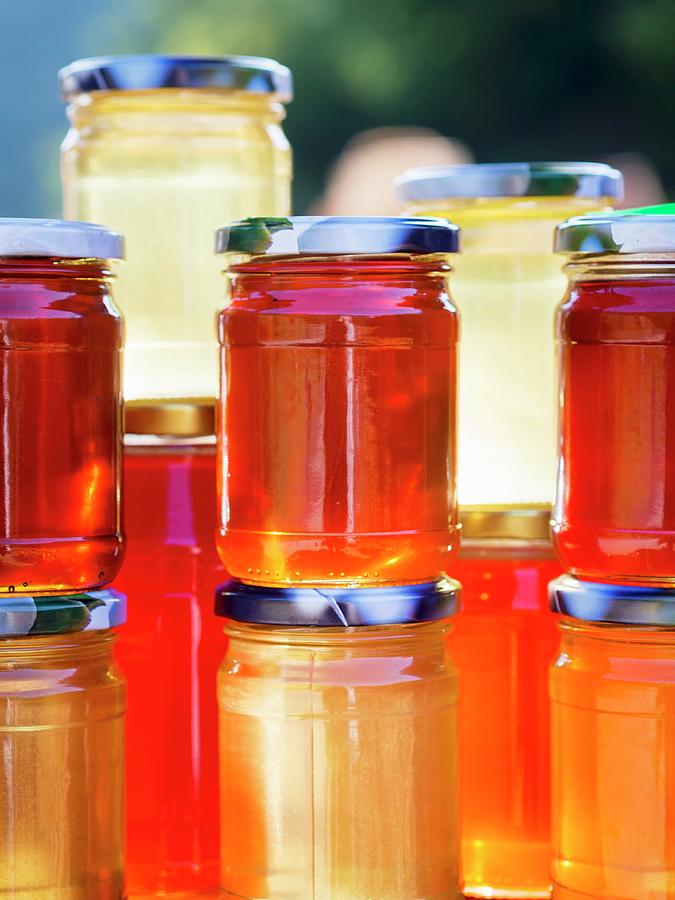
x: 388, y: 638
x: 394, y: 264
x: 619, y: 267
x: 177, y: 108
x: 46, y: 648
x: 576, y: 631
x: 29, y: 267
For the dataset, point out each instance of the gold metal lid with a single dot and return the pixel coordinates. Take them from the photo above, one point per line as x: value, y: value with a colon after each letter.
x: 526, y: 522
x: 181, y: 417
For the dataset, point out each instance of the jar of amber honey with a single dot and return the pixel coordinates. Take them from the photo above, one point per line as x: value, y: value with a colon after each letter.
x: 507, y: 284
x: 170, y: 572
x: 614, y: 517
x: 613, y: 701
x: 336, y: 437
x: 338, y: 743
x: 62, y: 703
x: 60, y: 407
x: 165, y: 149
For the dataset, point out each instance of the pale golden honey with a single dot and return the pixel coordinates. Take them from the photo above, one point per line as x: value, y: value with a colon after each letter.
x: 165, y: 168
x: 62, y: 789
x: 507, y: 283
x: 338, y: 763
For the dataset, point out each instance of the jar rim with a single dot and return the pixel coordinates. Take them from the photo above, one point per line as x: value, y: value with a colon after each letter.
x: 252, y: 74
x: 517, y: 179
x: 337, y: 236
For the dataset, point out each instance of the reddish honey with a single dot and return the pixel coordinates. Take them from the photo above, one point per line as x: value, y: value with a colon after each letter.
x: 60, y: 415
x: 503, y: 641
x: 615, y: 516
x: 170, y: 650
x: 337, y: 421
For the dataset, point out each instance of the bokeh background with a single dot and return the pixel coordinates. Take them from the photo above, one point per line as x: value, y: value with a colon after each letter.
x: 504, y: 79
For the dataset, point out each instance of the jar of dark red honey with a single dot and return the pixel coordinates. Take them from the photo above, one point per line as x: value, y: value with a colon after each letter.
x: 337, y: 418
x: 60, y: 407
x: 614, y: 518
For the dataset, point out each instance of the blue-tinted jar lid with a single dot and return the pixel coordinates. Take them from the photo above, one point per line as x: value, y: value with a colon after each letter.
x: 252, y: 74
x: 337, y: 236
x: 338, y: 608
x: 22, y: 616
x: 58, y: 238
x: 624, y: 232
x: 615, y: 604
x: 524, y: 179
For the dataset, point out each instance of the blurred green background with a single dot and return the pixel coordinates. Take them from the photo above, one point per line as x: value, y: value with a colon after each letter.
x: 513, y: 79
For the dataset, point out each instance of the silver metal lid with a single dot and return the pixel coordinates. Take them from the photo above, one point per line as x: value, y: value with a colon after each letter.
x: 337, y: 236
x: 253, y: 74
x: 342, y: 608
x: 617, y: 233
x: 535, y: 179
x: 612, y: 603
x: 22, y: 616
x: 58, y: 238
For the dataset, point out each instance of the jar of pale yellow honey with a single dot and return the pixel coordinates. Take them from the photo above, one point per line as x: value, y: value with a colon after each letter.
x: 166, y: 149
x: 507, y: 283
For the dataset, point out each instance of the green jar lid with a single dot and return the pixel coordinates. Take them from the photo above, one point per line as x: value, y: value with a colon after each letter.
x: 21, y: 615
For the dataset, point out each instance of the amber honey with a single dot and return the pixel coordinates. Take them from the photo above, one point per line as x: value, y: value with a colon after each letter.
x: 337, y: 420
x: 60, y: 410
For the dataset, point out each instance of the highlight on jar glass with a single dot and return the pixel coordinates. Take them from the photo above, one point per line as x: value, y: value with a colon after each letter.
x: 614, y: 517
x: 337, y: 419
x: 62, y: 727
x: 170, y: 572
x: 613, y: 702
x: 60, y: 407
x: 164, y: 149
x: 338, y: 743
x: 507, y: 285
x: 503, y: 640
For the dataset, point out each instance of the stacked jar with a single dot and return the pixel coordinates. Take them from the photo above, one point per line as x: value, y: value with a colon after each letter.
x: 166, y: 148
x: 338, y: 520
x: 63, y: 700
x: 507, y: 284
x: 613, y: 684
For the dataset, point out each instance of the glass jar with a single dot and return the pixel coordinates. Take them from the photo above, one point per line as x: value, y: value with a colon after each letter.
x: 166, y: 149
x: 60, y: 407
x: 614, y: 518
x: 62, y: 735
x: 613, y: 696
x: 171, y: 571
x: 503, y: 640
x: 338, y: 744
x: 507, y: 284
x: 337, y: 461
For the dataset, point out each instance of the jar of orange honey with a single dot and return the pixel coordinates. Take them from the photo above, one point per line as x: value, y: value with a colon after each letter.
x: 62, y: 704
x: 60, y: 407
x: 337, y: 448
x: 613, y: 707
x: 338, y: 743
x: 614, y: 516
